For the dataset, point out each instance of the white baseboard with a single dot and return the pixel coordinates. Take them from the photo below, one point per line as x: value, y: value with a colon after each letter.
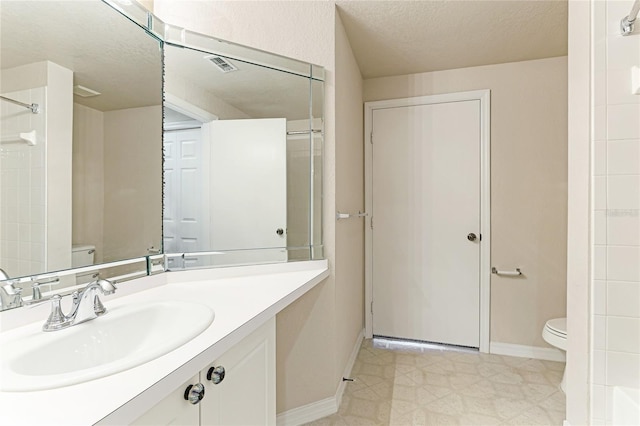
x: 325, y: 407
x: 308, y: 413
x: 536, y: 352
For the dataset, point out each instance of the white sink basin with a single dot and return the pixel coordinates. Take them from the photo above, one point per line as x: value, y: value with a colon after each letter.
x: 127, y: 336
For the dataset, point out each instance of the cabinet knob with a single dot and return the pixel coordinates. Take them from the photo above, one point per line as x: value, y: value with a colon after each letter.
x: 194, y: 393
x: 216, y: 374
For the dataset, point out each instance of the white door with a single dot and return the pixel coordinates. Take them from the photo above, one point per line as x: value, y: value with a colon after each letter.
x: 425, y: 201
x: 185, y: 221
x: 248, y: 181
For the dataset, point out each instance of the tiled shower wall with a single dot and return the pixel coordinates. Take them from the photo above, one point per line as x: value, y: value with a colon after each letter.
x: 22, y: 186
x: 615, y: 301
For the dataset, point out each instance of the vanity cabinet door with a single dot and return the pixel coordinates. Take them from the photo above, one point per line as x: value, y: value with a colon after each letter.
x: 173, y: 410
x: 246, y: 395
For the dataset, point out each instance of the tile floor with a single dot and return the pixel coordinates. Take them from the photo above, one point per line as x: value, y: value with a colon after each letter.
x: 426, y: 385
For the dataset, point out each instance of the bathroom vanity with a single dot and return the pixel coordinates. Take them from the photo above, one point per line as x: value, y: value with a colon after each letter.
x: 241, y: 339
x: 140, y: 120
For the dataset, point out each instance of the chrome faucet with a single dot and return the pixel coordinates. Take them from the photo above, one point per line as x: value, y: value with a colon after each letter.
x: 86, y: 306
x: 10, y: 296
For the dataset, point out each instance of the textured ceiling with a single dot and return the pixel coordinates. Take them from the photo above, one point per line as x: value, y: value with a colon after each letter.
x: 406, y: 37
x: 258, y: 91
x: 105, y: 51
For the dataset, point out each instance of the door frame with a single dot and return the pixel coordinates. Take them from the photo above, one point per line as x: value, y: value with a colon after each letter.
x: 202, y: 116
x: 484, y: 96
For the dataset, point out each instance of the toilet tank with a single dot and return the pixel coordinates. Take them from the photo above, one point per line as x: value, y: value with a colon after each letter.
x: 82, y: 255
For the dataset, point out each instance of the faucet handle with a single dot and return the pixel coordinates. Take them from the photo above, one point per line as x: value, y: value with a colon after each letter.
x: 36, y: 293
x: 57, y: 319
x: 98, y: 307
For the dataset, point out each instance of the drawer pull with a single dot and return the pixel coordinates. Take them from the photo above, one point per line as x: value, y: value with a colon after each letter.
x: 216, y: 374
x: 194, y: 393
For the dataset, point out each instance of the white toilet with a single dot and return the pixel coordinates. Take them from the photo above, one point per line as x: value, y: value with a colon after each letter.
x: 83, y: 255
x: 555, y: 334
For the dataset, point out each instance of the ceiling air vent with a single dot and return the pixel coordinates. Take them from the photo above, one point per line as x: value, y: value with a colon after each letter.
x: 222, y: 64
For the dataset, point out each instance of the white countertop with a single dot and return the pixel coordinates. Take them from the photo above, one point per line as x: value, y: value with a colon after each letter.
x: 243, y: 299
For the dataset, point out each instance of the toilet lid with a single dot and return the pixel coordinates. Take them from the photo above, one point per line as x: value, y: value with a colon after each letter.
x: 558, y: 326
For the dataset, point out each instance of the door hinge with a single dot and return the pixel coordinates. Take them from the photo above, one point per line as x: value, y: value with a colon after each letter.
x: 480, y: 237
x: 371, y: 137
x: 372, y: 307
x: 371, y: 223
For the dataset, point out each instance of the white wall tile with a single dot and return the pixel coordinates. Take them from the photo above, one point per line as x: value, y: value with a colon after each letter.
x: 609, y: 403
x: 623, y: 299
x: 623, y: 334
x: 622, y: 52
x: 623, y: 156
x: 599, y: 21
x: 623, y: 369
x: 600, y: 263
x: 600, y: 158
x: 599, y: 83
x: 598, y: 402
x: 619, y: 87
x: 600, y: 298
x: 599, y: 332
x: 600, y: 122
x: 623, y: 192
x: 600, y: 193
x: 24, y: 232
x: 37, y: 233
x: 600, y: 227
x: 623, y: 121
x: 623, y: 227
x: 623, y: 263
x: 37, y: 252
x: 25, y: 250
x: 599, y: 364
x: 615, y: 11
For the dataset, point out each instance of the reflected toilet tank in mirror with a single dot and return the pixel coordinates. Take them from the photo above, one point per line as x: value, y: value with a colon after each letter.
x: 86, y: 169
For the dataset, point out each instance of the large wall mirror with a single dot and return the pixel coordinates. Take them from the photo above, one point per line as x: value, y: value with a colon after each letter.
x: 82, y: 174
x: 80, y: 177
x: 243, y: 154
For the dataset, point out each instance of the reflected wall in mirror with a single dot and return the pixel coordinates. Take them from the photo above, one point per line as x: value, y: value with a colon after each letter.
x: 80, y: 181
x: 243, y: 158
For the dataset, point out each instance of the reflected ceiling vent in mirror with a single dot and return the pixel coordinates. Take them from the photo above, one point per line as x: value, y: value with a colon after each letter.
x: 221, y: 63
x: 84, y: 92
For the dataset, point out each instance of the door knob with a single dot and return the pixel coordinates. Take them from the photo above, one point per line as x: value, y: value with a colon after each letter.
x: 279, y: 231
x: 472, y: 237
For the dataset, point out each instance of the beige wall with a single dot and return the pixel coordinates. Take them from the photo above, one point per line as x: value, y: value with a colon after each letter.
x: 528, y: 183
x: 132, y: 182
x: 88, y: 178
x: 311, y: 345
x: 349, y: 198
